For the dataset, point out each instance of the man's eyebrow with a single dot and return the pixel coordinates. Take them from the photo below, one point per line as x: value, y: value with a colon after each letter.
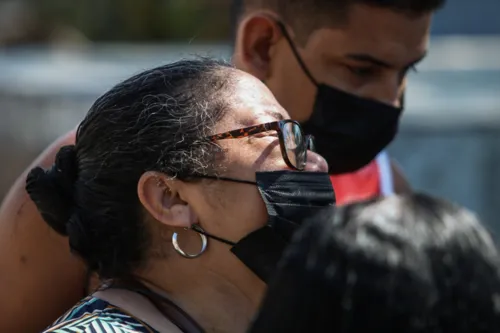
x: 378, y: 62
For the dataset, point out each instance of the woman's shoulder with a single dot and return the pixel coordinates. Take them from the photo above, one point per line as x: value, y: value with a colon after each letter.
x: 93, y: 315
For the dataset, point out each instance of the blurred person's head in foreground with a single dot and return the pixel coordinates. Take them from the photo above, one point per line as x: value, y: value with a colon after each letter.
x: 187, y: 178
x: 337, y: 66
x: 401, y: 264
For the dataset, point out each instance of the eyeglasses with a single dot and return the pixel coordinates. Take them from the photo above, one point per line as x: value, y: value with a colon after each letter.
x: 294, y: 144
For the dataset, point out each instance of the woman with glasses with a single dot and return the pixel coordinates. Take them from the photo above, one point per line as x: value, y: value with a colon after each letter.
x: 184, y: 186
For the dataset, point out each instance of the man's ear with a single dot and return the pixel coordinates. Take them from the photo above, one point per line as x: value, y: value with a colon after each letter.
x: 159, y: 197
x: 257, y: 35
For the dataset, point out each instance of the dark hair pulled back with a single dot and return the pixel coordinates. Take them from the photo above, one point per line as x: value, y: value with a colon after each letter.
x: 155, y: 121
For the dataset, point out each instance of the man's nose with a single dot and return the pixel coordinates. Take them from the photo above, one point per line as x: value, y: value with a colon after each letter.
x: 388, y: 91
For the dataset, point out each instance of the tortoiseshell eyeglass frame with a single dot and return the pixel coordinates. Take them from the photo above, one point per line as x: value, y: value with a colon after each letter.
x: 272, y: 126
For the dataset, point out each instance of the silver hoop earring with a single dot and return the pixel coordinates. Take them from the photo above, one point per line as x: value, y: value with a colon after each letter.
x: 204, y: 243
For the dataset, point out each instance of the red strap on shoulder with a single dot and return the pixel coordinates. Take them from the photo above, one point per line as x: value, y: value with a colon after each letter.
x: 356, y: 186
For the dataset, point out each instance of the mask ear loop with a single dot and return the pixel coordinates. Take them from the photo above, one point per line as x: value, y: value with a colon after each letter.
x: 241, y: 181
x: 296, y: 53
x: 197, y: 228
x: 200, y: 230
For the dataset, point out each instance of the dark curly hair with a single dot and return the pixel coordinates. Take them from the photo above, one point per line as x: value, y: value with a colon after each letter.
x: 412, y: 264
x: 154, y: 121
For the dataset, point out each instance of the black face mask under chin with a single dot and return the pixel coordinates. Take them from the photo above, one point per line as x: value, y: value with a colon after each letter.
x: 350, y: 131
x: 290, y: 197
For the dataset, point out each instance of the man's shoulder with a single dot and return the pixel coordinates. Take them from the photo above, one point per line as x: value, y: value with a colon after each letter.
x: 30, y: 250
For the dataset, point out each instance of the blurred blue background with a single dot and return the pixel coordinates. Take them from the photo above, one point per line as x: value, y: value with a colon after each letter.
x: 57, y: 56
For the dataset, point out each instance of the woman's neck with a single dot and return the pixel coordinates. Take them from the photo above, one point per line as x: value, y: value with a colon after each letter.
x: 218, y: 303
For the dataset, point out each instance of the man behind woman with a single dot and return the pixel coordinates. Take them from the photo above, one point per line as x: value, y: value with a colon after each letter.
x: 187, y: 203
x: 338, y: 67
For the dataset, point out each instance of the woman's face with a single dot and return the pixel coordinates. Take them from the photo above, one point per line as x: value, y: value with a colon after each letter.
x: 233, y: 210
x: 228, y: 209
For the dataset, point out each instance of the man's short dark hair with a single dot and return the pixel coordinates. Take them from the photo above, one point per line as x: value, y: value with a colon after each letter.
x: 310, y: 13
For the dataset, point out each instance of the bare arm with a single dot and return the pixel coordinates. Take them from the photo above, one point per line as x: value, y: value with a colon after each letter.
x: 39, y: 278
x: 401, y: 184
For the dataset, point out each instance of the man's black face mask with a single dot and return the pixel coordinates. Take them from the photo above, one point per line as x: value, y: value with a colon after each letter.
x: 350, y: 131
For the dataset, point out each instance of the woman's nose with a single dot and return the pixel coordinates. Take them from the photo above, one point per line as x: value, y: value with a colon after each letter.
x: 316, y: 162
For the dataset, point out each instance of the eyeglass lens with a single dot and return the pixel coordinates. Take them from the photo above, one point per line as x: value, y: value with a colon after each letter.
x: 295, y: 144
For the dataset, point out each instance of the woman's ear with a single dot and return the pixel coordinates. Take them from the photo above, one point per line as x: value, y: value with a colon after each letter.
x: 159, y: 197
